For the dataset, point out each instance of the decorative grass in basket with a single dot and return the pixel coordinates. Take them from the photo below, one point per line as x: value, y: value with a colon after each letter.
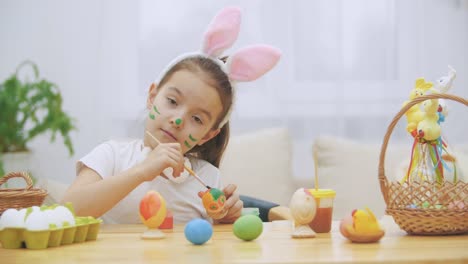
x: 425, y: 201
x: 20, y: 198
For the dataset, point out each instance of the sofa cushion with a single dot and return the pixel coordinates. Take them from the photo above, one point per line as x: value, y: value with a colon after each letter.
x: 259, y: 163
x: 351, y: 169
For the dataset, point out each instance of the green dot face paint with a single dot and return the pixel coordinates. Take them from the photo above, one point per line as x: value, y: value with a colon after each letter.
x: 178, y: 121
x: 151, y: 116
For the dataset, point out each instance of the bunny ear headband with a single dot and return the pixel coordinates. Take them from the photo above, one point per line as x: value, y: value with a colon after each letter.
x: 246, y: 64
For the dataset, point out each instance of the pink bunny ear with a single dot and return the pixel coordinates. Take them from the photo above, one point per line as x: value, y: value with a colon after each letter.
x: 222, y: 31
x: 252, y: 62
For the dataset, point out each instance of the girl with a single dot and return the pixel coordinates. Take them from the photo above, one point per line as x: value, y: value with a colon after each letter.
x: 189, y: 108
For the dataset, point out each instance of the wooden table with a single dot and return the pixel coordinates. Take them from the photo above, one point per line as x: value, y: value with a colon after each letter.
x: 122, y: 244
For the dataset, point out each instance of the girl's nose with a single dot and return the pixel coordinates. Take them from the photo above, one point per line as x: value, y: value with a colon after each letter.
x: 177, y: 122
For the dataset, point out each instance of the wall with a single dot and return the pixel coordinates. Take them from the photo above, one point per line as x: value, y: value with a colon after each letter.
x: 103, y: 55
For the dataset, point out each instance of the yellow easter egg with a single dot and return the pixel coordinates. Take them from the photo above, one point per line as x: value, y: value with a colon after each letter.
x: 152, y: 209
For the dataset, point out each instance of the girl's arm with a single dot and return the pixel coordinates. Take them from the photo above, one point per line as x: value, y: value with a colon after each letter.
x: 93, y: 196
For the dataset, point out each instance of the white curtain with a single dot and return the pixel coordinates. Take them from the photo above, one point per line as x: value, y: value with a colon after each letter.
x: 346, y: 69
x: 347, y: 66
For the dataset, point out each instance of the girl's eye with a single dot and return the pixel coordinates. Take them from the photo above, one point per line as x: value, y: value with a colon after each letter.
x: 171, y: 101
x: 198, y: 120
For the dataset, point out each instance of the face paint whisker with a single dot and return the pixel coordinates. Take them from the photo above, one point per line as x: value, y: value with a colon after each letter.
x: 192, y: 138
x: 156, y: 109
x: 187, y: 144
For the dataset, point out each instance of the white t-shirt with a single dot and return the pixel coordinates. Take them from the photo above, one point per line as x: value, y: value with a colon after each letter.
x: 112, y: 157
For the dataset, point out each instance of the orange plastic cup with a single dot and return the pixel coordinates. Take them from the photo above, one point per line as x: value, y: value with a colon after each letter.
x: 323, y: 218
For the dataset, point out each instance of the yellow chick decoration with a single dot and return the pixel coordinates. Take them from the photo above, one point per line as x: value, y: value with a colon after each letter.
x: 424, y: 126
x: 429, y: 128
x: 414, y: 115
x: 361, y: 227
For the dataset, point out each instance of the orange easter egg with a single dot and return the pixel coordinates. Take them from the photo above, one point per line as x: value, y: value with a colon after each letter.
x: 213, y: 200
x: 152, y: 209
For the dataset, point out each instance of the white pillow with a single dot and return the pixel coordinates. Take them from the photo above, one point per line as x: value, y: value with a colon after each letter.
x: 260, y: 164
x: 351, y: 169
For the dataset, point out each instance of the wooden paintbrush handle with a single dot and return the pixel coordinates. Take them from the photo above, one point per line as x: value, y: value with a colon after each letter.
x: 191, y: 172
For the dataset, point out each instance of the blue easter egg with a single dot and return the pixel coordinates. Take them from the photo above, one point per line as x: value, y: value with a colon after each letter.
x: 198, y: 231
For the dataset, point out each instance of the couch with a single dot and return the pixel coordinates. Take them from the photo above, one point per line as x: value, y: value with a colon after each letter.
x: 260, y: 163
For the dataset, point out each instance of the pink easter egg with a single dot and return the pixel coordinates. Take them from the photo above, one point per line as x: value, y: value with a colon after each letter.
x: 456, y: 205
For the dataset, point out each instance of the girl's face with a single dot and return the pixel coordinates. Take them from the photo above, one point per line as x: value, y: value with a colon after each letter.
x: 183, y: 110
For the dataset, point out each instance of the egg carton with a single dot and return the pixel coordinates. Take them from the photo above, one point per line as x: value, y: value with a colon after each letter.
x: 13, y: 238
x: 46, y: 226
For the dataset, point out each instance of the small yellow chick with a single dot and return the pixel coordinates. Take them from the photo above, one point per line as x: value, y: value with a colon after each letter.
x: 365, y: 222
x: 414, y: 115
x: 429, y: 128
x: 361, y: 226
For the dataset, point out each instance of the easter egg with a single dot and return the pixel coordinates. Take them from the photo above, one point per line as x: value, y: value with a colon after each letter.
x: 12, y: 218
x: 63, y: 213
x: 426, y: 205
x: 248, y: 227
x: 198, y: 231
x: 36, y: 221
x: 152, y: 209
x: 213, y: 200
x: 456, y: 205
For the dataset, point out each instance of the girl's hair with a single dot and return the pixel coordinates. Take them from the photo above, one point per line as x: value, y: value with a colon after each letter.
x: 212, y: 151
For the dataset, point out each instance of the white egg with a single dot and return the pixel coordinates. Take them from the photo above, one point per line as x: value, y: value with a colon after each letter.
x: 37, y: 221
x: 22, y: 213
x: 53, y: 218
x: 64, y: 215
x: 12, y: 218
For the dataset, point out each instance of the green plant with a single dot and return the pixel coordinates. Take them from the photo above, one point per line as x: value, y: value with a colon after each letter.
x: 28, y: 109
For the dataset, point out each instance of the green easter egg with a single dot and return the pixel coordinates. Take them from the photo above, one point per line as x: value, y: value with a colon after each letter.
x: 248, y: 227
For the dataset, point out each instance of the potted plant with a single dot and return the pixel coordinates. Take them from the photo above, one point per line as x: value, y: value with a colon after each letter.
x: 29, y: 109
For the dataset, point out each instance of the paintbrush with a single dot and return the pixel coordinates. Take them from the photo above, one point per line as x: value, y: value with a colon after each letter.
x: 191, y: 172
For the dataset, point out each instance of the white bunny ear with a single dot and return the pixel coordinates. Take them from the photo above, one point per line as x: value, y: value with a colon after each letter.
x: 222, y: 31
x: 252, y: 62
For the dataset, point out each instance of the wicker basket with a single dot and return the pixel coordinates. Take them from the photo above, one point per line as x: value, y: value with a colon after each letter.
x: 437, y: 217
x: 20, y: 198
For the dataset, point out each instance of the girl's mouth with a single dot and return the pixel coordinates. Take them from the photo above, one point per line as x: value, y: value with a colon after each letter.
x: 169, y: 134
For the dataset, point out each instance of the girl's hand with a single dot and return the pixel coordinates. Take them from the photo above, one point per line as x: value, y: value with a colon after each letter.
x: 164, y: 155
x: 233, y: 204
